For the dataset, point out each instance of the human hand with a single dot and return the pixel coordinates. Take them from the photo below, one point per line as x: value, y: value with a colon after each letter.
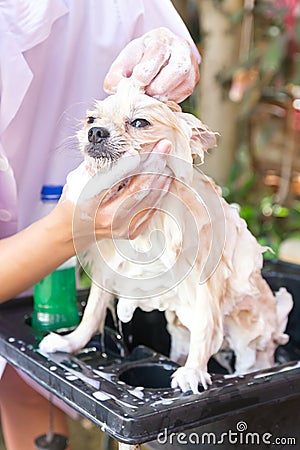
x: 125, y: 213
x: 120, y: 212
x: 159, y: 61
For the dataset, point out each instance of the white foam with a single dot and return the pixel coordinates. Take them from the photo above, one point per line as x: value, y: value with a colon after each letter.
x: 102, y: 396
x: 106, y: 376
x: 137, y: 392
x: 81, y: 185
x: 71, y: 377
x: 162, y: 402
x: 284, y: 369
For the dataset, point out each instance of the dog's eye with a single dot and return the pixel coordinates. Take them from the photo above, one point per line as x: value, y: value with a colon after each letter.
x: 140, y: 123
x: 90, y: 119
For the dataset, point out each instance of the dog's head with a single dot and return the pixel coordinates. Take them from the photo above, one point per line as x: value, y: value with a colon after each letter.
x: 131, y: 121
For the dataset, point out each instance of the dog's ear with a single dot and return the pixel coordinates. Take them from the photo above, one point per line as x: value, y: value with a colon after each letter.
x: 173, y: 106
x: 201, y: 137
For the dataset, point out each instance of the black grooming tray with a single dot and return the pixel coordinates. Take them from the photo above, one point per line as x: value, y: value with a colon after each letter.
x: 123, y: 385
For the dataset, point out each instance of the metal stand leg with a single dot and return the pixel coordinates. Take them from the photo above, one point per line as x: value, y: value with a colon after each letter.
x: 129, y: 446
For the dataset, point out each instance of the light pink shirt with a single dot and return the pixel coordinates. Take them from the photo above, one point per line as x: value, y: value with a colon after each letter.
x: 54, y: 55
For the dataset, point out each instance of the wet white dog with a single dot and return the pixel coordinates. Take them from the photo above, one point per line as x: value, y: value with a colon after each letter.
x: 205, y: 272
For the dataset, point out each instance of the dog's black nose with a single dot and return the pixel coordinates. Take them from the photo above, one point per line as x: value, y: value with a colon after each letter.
x: 96, y: 134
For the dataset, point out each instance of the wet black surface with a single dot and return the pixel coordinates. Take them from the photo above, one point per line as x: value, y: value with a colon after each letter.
x: 126, y: 391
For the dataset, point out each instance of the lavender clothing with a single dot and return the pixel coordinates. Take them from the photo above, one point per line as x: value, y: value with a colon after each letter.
x: 54, y: 55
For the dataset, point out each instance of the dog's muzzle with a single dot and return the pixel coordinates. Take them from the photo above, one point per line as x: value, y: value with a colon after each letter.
x: 99, y: 146
x: 97, y: 134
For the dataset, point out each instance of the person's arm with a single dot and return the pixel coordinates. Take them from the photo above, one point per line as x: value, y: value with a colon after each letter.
x: 31, y: 254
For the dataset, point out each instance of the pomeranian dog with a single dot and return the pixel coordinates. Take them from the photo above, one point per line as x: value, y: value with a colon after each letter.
x: 203, y: 267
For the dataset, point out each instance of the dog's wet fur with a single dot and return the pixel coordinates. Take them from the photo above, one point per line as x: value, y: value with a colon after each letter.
x: 234, y: 308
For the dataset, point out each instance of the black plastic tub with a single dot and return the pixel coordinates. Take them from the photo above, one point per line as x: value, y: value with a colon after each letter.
x: 127, y: 392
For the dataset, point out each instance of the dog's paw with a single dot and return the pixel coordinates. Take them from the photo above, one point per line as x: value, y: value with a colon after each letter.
x: 55, y: 343
x: 188, y: 379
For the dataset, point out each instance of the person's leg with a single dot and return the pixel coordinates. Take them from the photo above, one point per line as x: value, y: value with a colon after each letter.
x: 25, y: 413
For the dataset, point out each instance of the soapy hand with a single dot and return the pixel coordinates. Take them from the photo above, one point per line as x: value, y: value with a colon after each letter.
x: 159, y: 61
x: 124, y: 210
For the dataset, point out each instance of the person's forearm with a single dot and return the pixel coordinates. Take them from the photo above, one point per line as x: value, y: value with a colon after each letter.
x: 31, y: 254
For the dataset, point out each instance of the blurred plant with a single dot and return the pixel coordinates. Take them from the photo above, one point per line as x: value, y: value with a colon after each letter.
x: 264, y: 180
x: 269, y: 52
x: 269, y: 221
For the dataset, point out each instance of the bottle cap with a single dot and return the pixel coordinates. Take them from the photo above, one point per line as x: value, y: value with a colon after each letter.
x: 51, y: 192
